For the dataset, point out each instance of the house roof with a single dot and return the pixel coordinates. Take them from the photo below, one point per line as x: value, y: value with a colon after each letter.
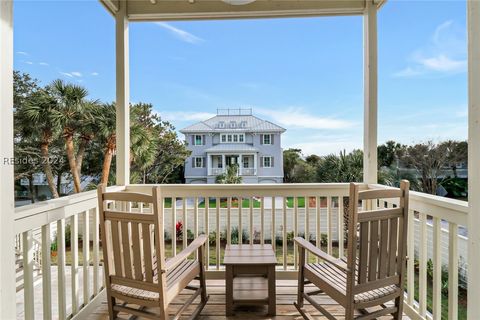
x: 233, y: 123
x: 227, y: 147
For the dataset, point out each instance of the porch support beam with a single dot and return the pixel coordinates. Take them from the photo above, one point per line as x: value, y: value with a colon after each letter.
x: 370, y: 93
x: 123, y: 95
x: 7, y: 247
x: 473, y: 29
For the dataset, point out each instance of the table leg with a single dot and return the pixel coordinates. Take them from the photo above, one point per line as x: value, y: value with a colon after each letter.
x: 229, y: 290
x: 272, y: 297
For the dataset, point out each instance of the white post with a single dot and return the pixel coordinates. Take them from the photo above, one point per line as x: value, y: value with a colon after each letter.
x: 473, y: 29
x: 123, y: 95
x: 370, y: 94
x: 7, y: 200
x: 255, y: 163
x: 223, y: 163
x: 240, y: 165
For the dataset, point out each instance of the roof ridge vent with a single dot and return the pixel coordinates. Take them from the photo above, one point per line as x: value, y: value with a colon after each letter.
x: 235, y: 112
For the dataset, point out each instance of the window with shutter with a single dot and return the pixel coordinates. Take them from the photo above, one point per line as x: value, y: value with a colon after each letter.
x: 267, y: 139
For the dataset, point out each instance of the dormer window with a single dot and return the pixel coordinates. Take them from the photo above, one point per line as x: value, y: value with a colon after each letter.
x: 221, y: 124
x: 233, y: 124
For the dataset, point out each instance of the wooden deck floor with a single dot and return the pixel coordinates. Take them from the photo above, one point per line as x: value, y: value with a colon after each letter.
x: 215, y: 308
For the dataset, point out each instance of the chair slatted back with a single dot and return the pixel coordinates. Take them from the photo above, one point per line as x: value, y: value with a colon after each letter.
x: 131, y: 238
x: 380, y: 236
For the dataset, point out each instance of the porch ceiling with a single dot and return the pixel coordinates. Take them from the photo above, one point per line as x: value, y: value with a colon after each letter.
x: 144, y: 10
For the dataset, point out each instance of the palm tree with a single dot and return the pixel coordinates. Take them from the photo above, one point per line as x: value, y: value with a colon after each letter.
x: 230, y: 176
x: 87, y: 131
x: 39, y: 109
x: 105, y: 123
x: 71, y: 109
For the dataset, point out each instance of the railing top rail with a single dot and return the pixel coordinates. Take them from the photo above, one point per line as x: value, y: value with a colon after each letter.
x: 247, y: 190
x: 38, y: 214
x: 448, y: 209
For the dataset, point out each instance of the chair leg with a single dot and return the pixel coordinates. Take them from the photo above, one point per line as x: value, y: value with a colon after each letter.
x: 349, y: 312
x: 203, y: 284
x: 301, y: 277
x: 111, y: 312
x: 399, y: 304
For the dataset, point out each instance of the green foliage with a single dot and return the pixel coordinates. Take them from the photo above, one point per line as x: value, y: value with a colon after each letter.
x: 235, y: 235
x: 230, y: 176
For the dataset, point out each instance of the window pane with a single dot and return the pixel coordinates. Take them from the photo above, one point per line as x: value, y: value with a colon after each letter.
x: 235, y: 138
x: 229, y: 138
x: 198, y: 140
x: 241, y: 137
x: 266, y: 139
x: 224, y: 138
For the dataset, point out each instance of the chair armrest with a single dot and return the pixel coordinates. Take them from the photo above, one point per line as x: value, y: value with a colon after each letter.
x: 319, y: 253
x: 192, y: 247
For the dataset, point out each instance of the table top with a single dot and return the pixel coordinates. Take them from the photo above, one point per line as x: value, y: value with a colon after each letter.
x: 245, y: 254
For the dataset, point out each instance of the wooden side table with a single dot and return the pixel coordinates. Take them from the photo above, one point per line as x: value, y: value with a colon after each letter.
x: 250, y: 276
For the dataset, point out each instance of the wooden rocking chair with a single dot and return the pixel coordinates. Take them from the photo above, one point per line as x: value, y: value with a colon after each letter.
x: 373, y: 278
x: 137, y: 275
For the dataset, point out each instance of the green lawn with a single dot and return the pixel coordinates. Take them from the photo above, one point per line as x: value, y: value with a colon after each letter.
x: 245, y: 203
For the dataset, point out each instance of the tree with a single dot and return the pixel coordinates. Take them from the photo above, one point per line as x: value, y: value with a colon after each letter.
x: 40, y: 108
x: 389, y: 153
x: 105, y: 117
x: 428, y: 159
x: 230, y: 176
x: 342, y: 168
x: 457, y: 152
x: 71, y: 113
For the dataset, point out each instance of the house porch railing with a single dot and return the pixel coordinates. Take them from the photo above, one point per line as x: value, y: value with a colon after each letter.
x: 231, y: 214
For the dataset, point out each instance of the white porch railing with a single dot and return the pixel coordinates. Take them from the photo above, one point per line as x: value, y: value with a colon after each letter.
x: 216, y: 171
x: 231, y: 214
x: 248, y: 171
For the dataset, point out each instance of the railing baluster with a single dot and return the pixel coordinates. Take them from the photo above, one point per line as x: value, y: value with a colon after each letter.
x: 207, y: 232
x: 295, y: 230
x: 340, y: 227
x: 62, y: 302
x: 217, y: 233
x: 422, y: 266
x: 262, y: 220
x: 28, y: 293
x: 229, y: 220
x: 240, y: 223
x: 411, y: 259
x: 285, y: 241
x: 174, y: 227
x: 185, y: 223
x: 86, y: 258
x: 318, y: 234
x: 96, y: 249
x: 329, y: 225
x: 195, y: 221
x: 453, y: 271
x: 251, y: 219
x: 273, y: 240
x: 307, y: 223
x: 437, y: 270
x: 74, y: 266
x: 46, y: 272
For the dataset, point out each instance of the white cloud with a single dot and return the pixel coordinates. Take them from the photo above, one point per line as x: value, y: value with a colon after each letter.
x: 23, y: 53
x: 185, y: 116
x: 28, y: 62
x: 444, y: 53
x: 179, y: 33
x: 94, y: 73
x: 326, y: 146
x: 43, y: 64
x: 66, y: 74
x: 295, y: 117
x: 76, y: 74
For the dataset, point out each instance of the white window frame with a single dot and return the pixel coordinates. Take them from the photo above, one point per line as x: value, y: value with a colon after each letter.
x: 201, y: 162
x: 269, y: 161
x: 269, y: 139
x: 195, y: 140
x: 232, y: 138
x: 246, y: 162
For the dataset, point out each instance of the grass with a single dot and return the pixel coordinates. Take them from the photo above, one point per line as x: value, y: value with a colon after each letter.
x: 245, y: 203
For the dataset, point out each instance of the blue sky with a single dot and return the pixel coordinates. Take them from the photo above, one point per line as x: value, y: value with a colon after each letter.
x: 303, y: 74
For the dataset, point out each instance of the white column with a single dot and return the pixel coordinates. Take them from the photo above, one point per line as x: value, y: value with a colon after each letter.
x: 255, y: 163
x: 240, y: 165
x: 223, y: 163
x: 370, y: 94
x: 209, y: 169
x: 473, y: 29
x: 123, y: 95
x: 7, y: 246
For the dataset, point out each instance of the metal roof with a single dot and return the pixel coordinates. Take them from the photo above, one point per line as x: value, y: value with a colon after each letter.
x: 233, y: 123
x: 236, y: 147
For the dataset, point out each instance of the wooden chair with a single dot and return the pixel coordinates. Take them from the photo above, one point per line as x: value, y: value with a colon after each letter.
x: 373, y: 272
x: 137, y: 275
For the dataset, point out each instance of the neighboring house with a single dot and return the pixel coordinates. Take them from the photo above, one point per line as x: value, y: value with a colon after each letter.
x: 234, y: 136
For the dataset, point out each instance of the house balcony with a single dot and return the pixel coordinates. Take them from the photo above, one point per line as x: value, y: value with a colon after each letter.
x: 55, y: 275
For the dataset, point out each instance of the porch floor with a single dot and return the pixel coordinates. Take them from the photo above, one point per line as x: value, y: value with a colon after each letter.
x: 215, y: 308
